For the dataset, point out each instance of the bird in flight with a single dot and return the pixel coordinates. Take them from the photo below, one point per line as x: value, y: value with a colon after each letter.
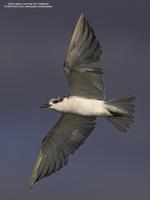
x: 85, y: 102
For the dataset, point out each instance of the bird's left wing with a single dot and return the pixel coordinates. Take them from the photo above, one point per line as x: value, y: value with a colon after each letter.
x: 84, y: 47
x: 84, y: 80
x: 65, y: 137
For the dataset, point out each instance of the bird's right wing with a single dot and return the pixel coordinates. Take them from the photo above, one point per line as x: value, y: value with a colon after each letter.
x: 66, y: 136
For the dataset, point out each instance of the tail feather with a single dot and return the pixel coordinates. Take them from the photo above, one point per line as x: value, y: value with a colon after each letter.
x: 121, y: 112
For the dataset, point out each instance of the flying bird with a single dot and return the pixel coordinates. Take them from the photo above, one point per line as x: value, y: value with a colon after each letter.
x: 85, y: 102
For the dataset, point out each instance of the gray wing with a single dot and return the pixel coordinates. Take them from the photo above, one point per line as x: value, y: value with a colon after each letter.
x: 84, y: 50
x: 66, y: 136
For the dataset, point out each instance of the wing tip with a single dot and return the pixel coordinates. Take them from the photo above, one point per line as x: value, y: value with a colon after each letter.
x: 82, y: 15
x: 35, y: 173
x: 32, y: 182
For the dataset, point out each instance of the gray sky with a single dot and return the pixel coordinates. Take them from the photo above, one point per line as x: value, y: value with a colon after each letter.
x: 33, y: 44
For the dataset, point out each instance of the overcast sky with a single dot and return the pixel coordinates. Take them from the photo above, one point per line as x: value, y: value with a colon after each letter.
x: 33, y: 44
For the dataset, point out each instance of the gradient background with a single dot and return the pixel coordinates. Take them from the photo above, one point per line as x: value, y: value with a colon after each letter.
x: 33, y: 44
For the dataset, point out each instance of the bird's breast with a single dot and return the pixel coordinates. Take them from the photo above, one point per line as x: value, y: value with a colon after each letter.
x: 83, y: 106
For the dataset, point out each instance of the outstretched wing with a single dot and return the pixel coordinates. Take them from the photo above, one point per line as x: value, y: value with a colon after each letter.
x: 84, y: 50
x: 66, y: 136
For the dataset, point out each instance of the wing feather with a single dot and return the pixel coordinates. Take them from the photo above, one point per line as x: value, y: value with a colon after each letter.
x: 84, y: 47
x: 86, y: 82
x: 84, y: 50
x: 66, y: 136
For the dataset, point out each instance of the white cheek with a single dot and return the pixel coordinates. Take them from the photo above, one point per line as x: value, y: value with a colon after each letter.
x: 53, y: 107
x: 57, y: 107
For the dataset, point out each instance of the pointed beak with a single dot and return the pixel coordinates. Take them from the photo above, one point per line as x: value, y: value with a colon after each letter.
x: 45, y: 105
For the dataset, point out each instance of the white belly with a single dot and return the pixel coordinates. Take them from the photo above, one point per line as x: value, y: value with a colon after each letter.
x: 82, y: 106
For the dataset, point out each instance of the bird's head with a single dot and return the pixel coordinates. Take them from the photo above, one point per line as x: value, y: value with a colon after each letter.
x: 52, y: 103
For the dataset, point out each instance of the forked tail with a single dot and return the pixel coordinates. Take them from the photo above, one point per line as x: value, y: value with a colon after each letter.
x: 121, y: 112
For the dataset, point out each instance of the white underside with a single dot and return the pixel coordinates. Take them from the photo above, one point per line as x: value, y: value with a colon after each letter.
x: 82, y: 106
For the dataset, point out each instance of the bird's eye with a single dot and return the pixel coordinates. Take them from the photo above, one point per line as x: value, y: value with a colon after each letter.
x: 55, y: 101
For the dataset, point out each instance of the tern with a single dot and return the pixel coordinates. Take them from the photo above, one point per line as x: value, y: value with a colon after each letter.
x: 85, y: 102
